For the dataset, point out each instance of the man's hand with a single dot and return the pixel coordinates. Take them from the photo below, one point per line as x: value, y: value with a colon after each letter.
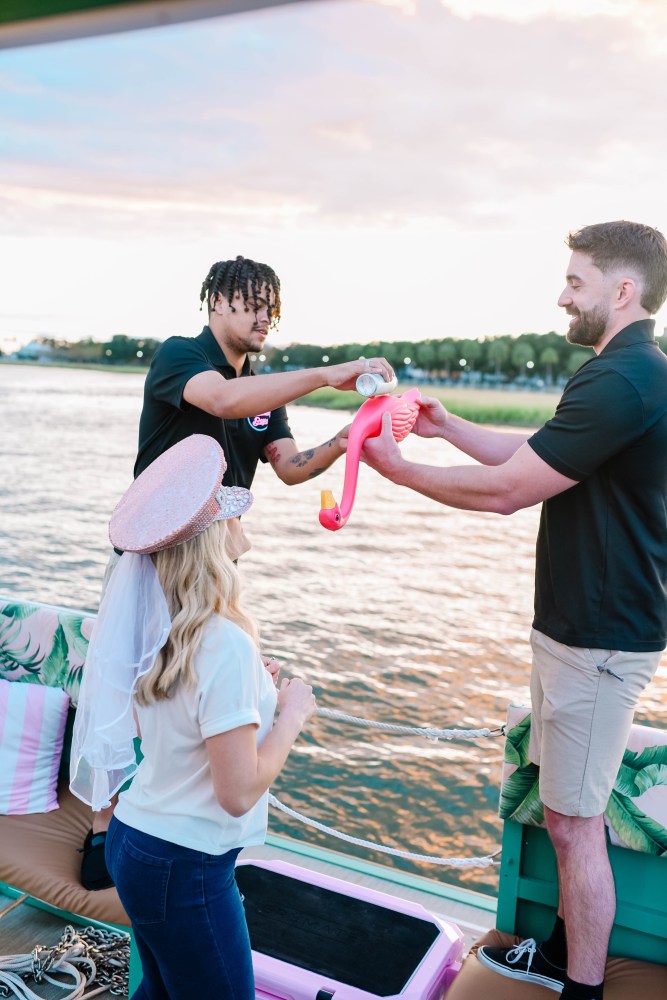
x: 382, y: 453
x: 431, y: 419
x: 341, y: 438
x: 345, y: 376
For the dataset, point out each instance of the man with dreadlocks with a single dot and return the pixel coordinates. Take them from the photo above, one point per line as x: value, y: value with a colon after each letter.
x: 199, y: 385
x: 202, y: 385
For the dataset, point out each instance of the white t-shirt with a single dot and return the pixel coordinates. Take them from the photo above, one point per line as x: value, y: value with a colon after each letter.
x: 172, y: 795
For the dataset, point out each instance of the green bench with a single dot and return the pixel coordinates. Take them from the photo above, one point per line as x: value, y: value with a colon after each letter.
x: 636, y: 821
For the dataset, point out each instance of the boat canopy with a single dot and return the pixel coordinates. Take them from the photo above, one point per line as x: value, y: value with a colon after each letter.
x: 33, y: 22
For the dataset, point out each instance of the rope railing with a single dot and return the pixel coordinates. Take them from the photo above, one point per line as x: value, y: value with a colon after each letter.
x: 484, y: 862
x: 427, y: 732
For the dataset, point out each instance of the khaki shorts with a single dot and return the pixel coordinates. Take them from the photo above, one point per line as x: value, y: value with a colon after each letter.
x: 583, y: 704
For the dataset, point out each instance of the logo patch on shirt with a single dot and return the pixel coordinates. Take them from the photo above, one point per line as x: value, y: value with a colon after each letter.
x: 260, y: 422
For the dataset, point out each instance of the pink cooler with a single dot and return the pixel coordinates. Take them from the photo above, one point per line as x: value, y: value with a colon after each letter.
x: 315, y: 937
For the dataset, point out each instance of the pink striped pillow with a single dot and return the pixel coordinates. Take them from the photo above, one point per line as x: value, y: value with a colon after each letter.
x: 32, y: 727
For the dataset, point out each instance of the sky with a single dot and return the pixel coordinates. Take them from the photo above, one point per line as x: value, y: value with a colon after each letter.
x: 410, y: 169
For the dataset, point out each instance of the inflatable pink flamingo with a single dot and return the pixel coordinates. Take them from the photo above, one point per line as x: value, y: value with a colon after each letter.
x: 368, y: 423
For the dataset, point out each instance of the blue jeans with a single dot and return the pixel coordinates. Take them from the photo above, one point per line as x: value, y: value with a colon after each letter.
x: 187, y: 917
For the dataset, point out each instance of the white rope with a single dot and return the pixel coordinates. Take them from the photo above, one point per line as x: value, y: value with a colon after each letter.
x: 485, y: 862
x: 13, y: 967
x: 428, y: 732
x: 110, y: 948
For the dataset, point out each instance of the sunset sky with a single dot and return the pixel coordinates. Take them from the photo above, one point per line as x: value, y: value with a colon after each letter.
x: 409, y: 170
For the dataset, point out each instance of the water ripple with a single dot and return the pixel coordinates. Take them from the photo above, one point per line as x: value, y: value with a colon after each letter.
x: 413, y: 614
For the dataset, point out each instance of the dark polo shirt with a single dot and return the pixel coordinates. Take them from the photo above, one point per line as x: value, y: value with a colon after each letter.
x: 601, y: 570
x: 167, y: 418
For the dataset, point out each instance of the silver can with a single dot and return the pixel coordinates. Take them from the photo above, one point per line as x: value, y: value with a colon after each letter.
x: 373, y: 384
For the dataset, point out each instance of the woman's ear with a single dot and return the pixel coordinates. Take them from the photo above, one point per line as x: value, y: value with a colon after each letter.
x: 236, y: 540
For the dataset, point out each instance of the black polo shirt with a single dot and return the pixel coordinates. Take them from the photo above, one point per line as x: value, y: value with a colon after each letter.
x: 601, y: 570
x: 167, y: 418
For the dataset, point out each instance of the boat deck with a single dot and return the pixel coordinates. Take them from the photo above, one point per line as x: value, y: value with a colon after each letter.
x: 23, y: 925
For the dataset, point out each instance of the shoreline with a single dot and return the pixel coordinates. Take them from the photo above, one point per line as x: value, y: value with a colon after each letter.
x: 46, y: 365
x: 507, y: 407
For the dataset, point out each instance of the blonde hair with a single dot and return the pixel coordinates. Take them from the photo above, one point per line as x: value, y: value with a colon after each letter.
x: 199, y: 580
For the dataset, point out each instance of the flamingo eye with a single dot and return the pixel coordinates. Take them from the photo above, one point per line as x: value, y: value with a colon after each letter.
x: 337, y: 518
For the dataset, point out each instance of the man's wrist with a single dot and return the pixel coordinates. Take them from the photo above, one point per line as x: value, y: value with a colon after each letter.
x: 447, y: 426
x: 398, y: 472
x: 337, y: 445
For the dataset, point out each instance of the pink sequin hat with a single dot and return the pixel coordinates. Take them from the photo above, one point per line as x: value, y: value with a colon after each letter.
x: 178, y: 496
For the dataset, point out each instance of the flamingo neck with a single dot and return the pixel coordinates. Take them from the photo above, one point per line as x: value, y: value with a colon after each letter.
x: 352, y: 458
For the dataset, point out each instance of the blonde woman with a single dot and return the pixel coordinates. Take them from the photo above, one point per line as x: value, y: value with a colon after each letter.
x: 174, y: 653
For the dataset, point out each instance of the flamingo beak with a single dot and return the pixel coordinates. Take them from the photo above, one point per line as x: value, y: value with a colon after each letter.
x: 327, y: 501
x: 330, y: 516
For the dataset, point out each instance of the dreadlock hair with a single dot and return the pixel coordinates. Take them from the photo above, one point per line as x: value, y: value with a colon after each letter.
x: 621, y: 244
x: 243, y: 275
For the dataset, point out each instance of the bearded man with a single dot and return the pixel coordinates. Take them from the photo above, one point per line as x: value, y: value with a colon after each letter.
x: 599, y: 468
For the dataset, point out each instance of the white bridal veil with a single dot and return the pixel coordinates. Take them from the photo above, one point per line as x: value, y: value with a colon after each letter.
x: 132, y: 626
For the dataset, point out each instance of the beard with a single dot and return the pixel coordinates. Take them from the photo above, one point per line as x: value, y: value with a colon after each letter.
x: 249, y: 343
x: 590, y: 326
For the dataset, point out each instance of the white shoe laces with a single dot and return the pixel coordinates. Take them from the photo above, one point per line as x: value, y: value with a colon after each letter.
x: 525, y: 949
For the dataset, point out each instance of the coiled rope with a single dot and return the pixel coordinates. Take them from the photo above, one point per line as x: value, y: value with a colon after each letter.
x: 13, y: 967
x: 425, y: 731
x: 103, y: 955
x: 485, y: 862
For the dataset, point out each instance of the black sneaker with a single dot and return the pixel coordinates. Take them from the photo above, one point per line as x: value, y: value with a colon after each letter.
x: 524, y: 962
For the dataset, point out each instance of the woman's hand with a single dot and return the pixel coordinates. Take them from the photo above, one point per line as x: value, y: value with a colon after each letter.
x: 296, y: 700
x: 272, y: 666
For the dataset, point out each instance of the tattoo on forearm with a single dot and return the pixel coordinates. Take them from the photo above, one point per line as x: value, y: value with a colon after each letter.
x: 272, y: 454
x: 303, y: 458
x: 315, y: 472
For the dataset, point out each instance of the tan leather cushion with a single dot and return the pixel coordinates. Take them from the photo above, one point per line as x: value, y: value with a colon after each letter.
x: 625, y: 979
x: 39, y: 855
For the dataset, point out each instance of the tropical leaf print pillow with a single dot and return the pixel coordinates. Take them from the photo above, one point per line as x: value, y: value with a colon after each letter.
x: 636, y: 814
x: 41, y: 644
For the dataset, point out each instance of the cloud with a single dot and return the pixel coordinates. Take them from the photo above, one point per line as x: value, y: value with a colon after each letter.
x: 403, y: 148
x: 354, y: 113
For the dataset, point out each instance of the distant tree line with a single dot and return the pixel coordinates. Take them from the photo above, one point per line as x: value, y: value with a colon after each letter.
x: 120, y: 350
x: 547, y: 356
x: 530, y: 356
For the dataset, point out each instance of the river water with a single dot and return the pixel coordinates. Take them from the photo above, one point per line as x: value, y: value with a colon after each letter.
x: 412, y: 614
